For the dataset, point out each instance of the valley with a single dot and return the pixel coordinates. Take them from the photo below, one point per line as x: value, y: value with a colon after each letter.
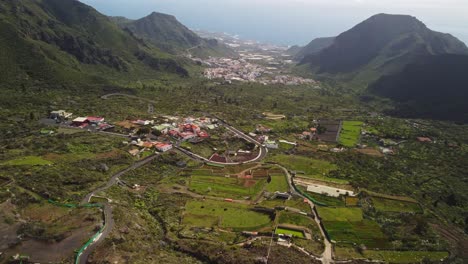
x: 142, y: 141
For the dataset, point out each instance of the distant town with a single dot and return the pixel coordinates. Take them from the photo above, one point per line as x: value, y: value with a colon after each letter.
x: 257, y: 62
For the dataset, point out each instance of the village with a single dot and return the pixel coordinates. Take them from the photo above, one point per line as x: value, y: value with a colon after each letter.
x: 244, y: 70
x: 158, y: 134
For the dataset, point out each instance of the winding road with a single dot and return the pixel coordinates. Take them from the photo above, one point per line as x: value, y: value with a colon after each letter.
x: 107, y: 209
x: 327, y: 255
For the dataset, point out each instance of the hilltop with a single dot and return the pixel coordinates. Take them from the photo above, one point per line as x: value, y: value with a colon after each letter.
x: 65, y: 41
x: 168, y: 34
x: 380, y: 45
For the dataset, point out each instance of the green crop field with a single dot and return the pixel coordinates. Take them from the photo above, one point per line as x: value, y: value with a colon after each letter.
x: 28, y: 161
x: 278, y: 183
x: 350, y: 133
x: 228, y: 215
x: 310, y: 167
x: 340, y: 214
x: 299, y: 220
x: 365, y: 232
x: 389, y: 205
x: 291, y: 232
x: 225, y: 187
x: 405, y: 256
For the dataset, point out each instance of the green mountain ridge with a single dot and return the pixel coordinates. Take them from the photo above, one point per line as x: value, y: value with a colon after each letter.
x: 433, y: 87
x: 168, y: 34
x: 66, y: 41
x: 314, y: 47
x: 382, y: 44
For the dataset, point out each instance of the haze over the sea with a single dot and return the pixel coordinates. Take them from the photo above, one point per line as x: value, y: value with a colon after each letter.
x: 290, y: 22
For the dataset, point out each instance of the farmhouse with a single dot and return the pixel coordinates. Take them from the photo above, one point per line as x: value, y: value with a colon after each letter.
x: 203, y: 134
x: 186, y: 135
x: 271, y: 144
x: 162, y: 147
x: 95, y: 120
x: 80, y: 122
x: 59, y: 114
x: 143, y: 122
x: 281, y: 195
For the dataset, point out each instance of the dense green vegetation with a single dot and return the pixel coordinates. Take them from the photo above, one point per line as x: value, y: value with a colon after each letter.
x: 433, y: 87
x: 168, y: 34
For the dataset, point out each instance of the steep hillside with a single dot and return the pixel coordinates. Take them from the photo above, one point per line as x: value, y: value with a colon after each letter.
x: 314, y: 47
x: 67, y: 41
x: 380, y: 45
x: 167, y: 33
x: 434, y: 87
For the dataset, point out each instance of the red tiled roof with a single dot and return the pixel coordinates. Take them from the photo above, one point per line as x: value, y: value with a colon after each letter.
x: 94, y: 118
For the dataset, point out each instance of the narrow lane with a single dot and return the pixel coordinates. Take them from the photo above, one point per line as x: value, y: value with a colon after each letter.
x: 107, y: 209
x: 327, y: 255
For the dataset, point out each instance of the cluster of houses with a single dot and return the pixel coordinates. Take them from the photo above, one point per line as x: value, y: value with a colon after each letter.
x: 89, y: 122
x: 193, y: 129
x: 149, y: 145
x: 98, y: 123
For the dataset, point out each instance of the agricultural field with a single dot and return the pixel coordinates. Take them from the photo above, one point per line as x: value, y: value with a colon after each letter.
x: 351, y: 201
x: 226, y: 187
x: 224, y: 215
x: 350, y: 133
x: 285, y: 231
x: 332, y: 128
x: 390, y: 205
x: 365, y: 232
x: 390, y: 256
x: 27, y: 161
x: 305, y: 167
x: 340, y: 214
x: 277, y: 183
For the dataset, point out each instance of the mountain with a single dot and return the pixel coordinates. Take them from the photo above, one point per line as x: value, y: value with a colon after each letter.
x: 314, y: 47
x: 382, y: 44
x: 293, y: 50
x: 434, y: 87
x: 65, y: 41
x: 167, y: 33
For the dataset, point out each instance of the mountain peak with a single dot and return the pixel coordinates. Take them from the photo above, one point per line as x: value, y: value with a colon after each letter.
x: 383, y: 43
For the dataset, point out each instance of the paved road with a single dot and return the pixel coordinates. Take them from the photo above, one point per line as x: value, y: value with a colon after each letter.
x: 327, y: 255
x: 108, y: 218
x: 109, y: 224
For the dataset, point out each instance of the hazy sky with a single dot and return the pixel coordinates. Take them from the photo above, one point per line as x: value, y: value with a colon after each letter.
x: 291, y: 21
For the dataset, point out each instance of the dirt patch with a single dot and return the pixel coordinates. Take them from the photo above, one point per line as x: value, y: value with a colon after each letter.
x: 332, y: 129
x: 249, y: 183
x: 351, y: 201
x: 325, y: 183
x: 127, y: 124
x: 107, y: 155
x: 64, y: 230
